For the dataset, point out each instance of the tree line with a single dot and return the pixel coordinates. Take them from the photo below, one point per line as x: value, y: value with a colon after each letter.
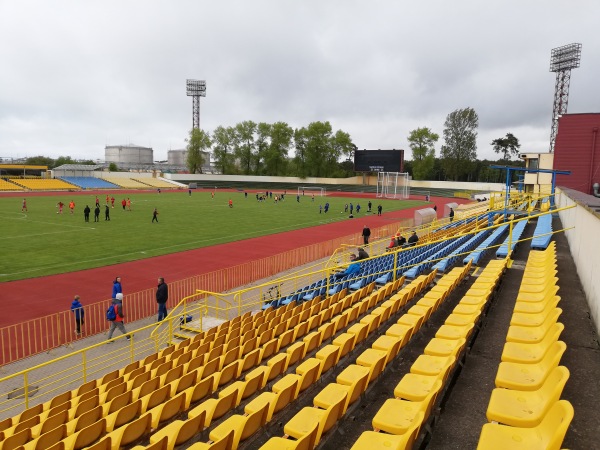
x: 249, y: 148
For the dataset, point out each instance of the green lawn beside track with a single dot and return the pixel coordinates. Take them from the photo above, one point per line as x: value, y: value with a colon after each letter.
x: 42, y: 242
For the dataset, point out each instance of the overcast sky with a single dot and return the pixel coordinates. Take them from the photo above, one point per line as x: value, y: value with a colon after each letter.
x: 78, y: 75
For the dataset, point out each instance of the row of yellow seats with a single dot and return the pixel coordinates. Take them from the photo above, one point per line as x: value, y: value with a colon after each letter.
x: 398, y: 422
x: 525, y: 410
x: 306, y: 374
x: 8, y: 186
x: 331, y: 403
x: 44, y: 184
x: 124, y: 404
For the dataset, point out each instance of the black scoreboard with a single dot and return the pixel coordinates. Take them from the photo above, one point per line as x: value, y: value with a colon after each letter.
x: 378, y: 160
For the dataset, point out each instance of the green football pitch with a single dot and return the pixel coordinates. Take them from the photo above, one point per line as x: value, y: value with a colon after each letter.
x: 43, y: 242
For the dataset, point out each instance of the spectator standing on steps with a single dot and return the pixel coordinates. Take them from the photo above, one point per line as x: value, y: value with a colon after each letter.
x: 119, y: 321
x: 77, y: 309
x: 451, y: 214
x: 162, y: 295
x: 366, y: 233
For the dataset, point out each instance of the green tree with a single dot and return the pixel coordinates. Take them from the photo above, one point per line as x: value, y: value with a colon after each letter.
x: 300, y: 160
x: 422, y: 141
x: 63, y: 160
x: 112, y: 167
x: 40, y: 161
x: 197, y: 143
x: 276, y: 156
x: 245, y: 146
x: 263, y: 140
x: 460, y: 142
x: 508, y: 146
x: 223, y: 149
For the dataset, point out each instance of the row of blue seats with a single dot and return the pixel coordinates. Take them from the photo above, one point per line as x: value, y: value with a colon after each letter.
x: 426, y: 264
x: 517, y: 231
x: 453, y: 257
x: 543, y: 227
x: 90, y: 183
x: 480, y: 251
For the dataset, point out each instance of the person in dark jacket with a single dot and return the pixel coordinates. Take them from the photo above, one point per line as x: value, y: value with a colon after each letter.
x: 97, y: 214
x: 413, y: 239
x: 451, y: 214
x: 366, y: 233
x: 86, y: 213
x: 362, y: 254
x: 117, y: 288
x: 162, y: 295
x: 401, y: 240
x: 77, y: 309
x: 117, y: 303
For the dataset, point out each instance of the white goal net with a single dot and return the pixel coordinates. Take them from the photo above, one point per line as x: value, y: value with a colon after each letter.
x: 312, y: 190
x: 393, y: 185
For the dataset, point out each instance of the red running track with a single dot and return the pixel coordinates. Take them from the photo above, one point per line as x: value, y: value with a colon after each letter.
x: 38, y: 297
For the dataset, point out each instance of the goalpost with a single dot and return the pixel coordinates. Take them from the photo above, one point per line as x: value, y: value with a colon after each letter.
x: 393, y: 185
x: 309, y: 190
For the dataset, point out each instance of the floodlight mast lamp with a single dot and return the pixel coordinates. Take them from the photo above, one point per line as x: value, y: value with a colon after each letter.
x: 562, y: 60
x: 196, y: 89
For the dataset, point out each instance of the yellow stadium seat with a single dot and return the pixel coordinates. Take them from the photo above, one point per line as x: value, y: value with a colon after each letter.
x: 131, y: 432
x: 87, y: 436
x: 346, y: 342
x: 244, y: 389
x: 200, y: 391
x: 223, y: 444
x: 47, y: 439
x: 123, y: 415
x: 389, y: 344
x: 398, y: 416
x: 444, y: 347
x: 276, y: 401
x: 307, y: 442
x: 242, y: 426
x: 529, y: 377
x: 105, y: 444
x: 213, y: 408
x: 454, y: 332
x: 178, y: 432
x: 371, y: 440
x: 549, y: 434
x: 306, y: 374
x: 432, y: 365
x: 304, y: 421
x: 531, y: 353
x: 332, y: 392
x: 462, y: 319
x: 531, y: 335
x: 416, y: 387
x: 167, y: 410
x: 329, y: 354
x: 85, y: 420
x: 527, y: 408
x: 400, y: 330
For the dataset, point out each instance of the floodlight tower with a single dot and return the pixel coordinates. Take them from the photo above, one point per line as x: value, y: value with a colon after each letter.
x: 562, y: 60
x: 196, y: 89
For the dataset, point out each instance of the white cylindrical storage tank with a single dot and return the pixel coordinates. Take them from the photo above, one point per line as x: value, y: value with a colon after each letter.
x: 177, y: 157
x: 131, y: 154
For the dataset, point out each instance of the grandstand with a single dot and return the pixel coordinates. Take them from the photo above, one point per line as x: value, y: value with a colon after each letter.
x: 156, y: 183
x: 373, y: 361
x: 42, y: 184
x: 6, y: 185
x: 126, y: 183
x: 90, y: 182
